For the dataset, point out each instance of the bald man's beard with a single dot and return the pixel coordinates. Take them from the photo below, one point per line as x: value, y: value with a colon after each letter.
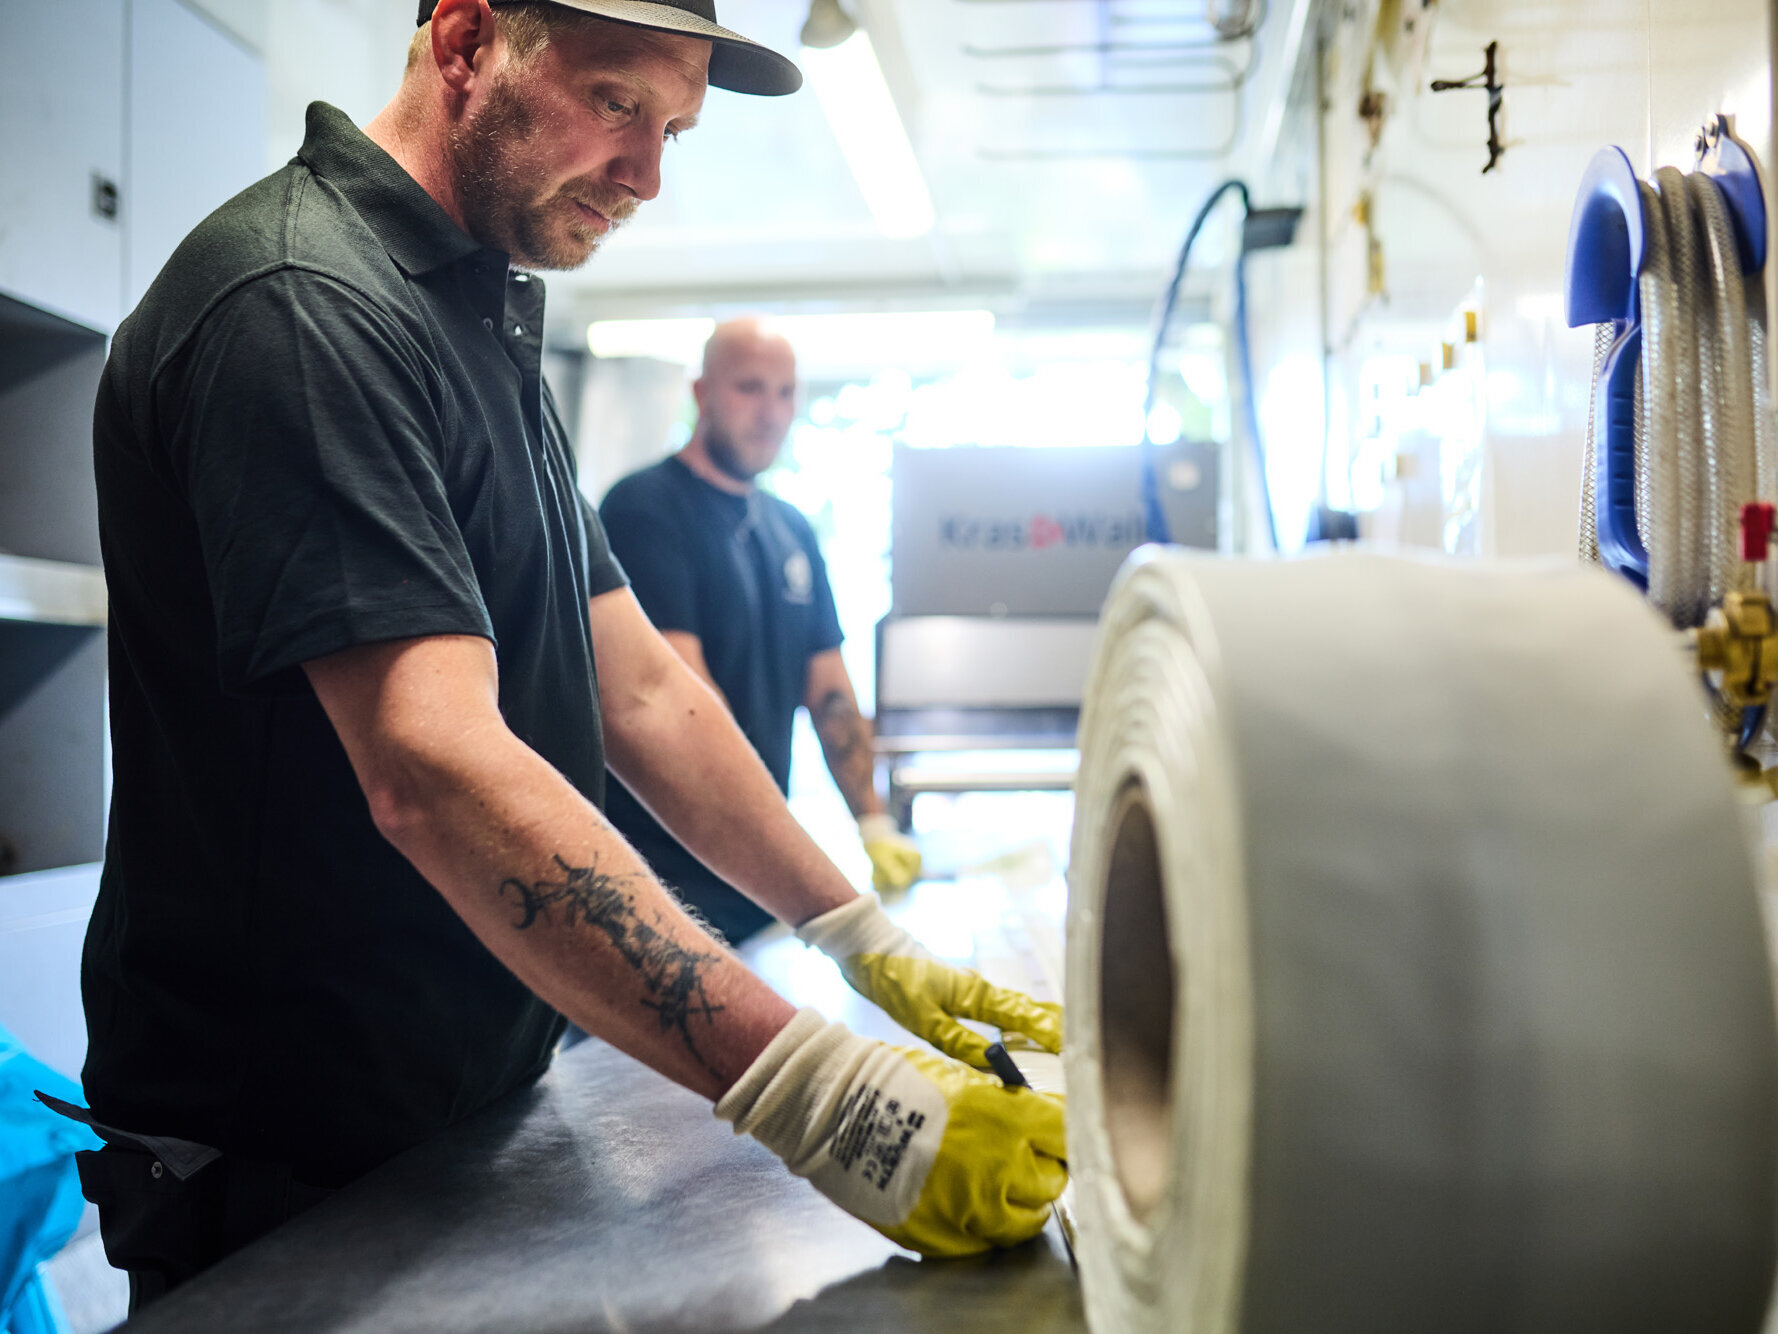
x: 536, y: 225
x: 727, y: 457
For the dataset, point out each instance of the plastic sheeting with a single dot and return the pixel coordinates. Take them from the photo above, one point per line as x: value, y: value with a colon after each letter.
x: 40, y: 1200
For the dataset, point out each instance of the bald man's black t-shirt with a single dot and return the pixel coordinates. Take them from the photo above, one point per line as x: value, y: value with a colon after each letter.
x: 744, y: 574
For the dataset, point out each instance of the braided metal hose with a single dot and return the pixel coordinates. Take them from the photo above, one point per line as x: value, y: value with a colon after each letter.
x: 1639, y: 438
x: 1603, y: 336
x: 1765, y: 439
x: 1702, y: 446
x: 1658, y: 474
x: 1727, y: 397
x: 1704, y: 440
x: 1725, y: 365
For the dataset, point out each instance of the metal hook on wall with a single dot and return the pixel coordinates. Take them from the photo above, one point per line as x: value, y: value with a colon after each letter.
x: 1488, y: 82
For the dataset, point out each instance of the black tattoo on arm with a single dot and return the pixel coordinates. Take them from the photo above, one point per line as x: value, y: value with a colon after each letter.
x: 672, y: 973
x: 845, y: 741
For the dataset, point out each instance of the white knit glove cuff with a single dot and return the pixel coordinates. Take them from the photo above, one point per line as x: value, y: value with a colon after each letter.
x: 852, y: 1115
x: 742, y: 1105
x: 878, y: 828
x: 858, y: 927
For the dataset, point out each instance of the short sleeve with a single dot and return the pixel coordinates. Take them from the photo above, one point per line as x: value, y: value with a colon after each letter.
x: 643, y: 537
x: 308, y: 443
x: 605, y: 573
x: 824, y: 620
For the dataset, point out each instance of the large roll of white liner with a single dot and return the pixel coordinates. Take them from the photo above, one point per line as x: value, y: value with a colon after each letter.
x: 1416, y: 982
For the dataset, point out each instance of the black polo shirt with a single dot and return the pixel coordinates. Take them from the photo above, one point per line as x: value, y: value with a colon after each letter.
x: 744, y: 574
x: 325, y: 425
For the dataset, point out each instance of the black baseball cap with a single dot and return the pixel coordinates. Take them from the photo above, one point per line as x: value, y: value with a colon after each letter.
x: 736, y: 62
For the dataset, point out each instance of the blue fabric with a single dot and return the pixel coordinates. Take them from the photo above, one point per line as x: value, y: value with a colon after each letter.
x: 37, y: 1311
x: 40, y: 1201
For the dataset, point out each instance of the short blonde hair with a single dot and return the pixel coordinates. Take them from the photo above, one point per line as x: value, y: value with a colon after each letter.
x: 527, y: 27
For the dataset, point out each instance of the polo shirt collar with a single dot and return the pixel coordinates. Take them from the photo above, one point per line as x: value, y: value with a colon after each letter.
x: 417, y: 233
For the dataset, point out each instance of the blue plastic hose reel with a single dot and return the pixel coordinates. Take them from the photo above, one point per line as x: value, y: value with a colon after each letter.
x: 1732, y: 165
x: 1606, y: 240
x: 1606, y: 251
x: 1614, y: 468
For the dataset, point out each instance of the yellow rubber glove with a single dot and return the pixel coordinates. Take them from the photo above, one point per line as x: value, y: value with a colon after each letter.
x: 934, y: 1156
x: 925, y: 995
x: 894, y: 857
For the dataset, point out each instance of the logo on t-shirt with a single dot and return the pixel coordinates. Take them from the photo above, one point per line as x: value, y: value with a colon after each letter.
x: 799, y: 578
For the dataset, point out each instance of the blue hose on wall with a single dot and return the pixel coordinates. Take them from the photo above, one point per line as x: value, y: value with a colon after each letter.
x: 1279, y: 229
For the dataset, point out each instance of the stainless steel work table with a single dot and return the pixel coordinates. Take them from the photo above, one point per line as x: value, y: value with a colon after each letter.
x: 607, y: 1198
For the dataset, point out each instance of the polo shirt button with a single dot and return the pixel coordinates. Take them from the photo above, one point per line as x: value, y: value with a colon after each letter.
x: 521, y: 277
x: 488, y: 325
x: 518, y: 331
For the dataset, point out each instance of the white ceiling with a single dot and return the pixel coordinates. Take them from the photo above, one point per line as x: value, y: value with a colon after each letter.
x: 1052, y: 206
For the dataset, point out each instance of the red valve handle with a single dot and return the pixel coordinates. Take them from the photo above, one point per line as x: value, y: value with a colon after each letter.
x: 1757, y: 518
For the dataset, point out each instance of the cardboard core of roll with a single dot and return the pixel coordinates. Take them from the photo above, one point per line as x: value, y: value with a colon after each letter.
x: 1136, y: 1001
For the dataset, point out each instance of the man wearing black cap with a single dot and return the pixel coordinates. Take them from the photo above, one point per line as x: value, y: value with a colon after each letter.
x: 371, y: 656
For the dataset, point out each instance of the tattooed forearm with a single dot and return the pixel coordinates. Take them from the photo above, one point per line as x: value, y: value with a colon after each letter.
x: 845, y: 741
x: 672, y: 972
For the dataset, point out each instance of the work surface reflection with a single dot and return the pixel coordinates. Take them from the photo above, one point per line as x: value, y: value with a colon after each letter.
x: 607, y: 1198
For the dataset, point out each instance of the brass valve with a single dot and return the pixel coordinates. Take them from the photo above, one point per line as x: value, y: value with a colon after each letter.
x: 1740, y: 640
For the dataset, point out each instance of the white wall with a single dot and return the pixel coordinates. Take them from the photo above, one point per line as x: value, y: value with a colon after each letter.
x: 185, y: 72
x: 347, y: 52
x: 626, y: 413
x: 1579, y: 74
x: 247, y: 21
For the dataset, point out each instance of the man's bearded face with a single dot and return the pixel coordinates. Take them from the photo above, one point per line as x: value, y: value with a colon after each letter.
x: 508, y: 194
x: 746, y: 403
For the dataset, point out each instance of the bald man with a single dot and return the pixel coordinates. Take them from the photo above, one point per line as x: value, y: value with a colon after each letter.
x: 732, y: 577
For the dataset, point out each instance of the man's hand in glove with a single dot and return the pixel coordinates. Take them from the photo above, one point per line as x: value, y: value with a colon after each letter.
x: 894, y: 857
x: 925, y: 996
x: 934, y: 1156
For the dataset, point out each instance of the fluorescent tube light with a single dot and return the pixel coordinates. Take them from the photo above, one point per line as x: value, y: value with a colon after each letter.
x: 666, y: 340
x: 888, y: 338
x: 849, y: 84
x: 853, y: 341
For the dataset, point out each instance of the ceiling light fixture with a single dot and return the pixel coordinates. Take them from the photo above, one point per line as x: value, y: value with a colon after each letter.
x: 827, y: 25
x: 850, y: 341
x: 849, y: 84
x: 1232, y: 19
x: 665, y: 340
